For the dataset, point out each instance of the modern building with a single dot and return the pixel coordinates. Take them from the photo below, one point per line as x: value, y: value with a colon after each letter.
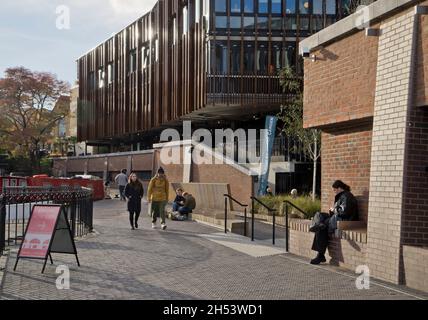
x: 366, y: 87
x: 213, y: 62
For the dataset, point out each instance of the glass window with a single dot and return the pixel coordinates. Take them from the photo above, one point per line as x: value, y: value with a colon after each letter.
x: 289, y: 55
x: 145, y: 55
x: 236, y: 58
x: 249, y: 58
x: 235, y: 6
x: 317, y: 7
x: 276, y: 23
x: 263, y: 6
x: 197, y: 10
x: 221, y: 58
x: 133, y: 61
x: 290, y: 23
x: 235, y: 22
x: 276, y: 57
x: 317, y: 23
x: 101, y: 77
x: 221, y: 22
x: 331, y: 7
x: 220, y: 6
x: 290, y: 6
x: 185, y: 20
x: 262, y: 58
x: 262, y: 23
x: 110, y: 73
x: 304, y: 23
x: 276, y: 6
x: 157, y: 50
x: 174, y: 31
x: 249, y: 6
x: 249, y: 22
x: 92, y: 80
x: 304, y: 6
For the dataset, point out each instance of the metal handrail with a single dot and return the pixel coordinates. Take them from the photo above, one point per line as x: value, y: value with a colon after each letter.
x: 273, y: 211
x: 287, y: 232
x: 226, y: 196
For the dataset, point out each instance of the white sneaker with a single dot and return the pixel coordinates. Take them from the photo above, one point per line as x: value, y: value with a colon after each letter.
x: 153, y: 225
x: 163, y: 226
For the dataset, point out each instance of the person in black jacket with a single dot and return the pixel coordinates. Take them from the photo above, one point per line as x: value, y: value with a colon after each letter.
x: 345, y: 209
x: 134, y: 192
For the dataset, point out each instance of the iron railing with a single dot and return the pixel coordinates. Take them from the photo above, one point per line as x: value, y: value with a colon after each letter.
x: 270, y: 210
x: 245, y: 206
x: 16, y: 204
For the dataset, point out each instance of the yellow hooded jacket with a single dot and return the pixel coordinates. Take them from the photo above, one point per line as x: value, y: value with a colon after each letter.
x: 158, y: 189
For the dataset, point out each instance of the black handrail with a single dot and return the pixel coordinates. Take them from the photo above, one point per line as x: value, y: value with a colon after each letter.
x: 287, y: 232
x: 273, y: 218
x: 226, y: 196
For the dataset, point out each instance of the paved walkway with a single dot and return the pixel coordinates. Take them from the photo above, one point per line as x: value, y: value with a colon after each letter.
x: 188, y: 261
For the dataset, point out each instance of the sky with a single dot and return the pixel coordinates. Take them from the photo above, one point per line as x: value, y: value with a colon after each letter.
x: 41, y: 36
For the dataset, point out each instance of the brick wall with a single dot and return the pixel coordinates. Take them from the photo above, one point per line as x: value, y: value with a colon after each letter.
x: 415, y: 211
x: 421, y: 71
x: 415, y: 268
x: 346, y: 156
x: 393, y: 88
x: 341, y: 85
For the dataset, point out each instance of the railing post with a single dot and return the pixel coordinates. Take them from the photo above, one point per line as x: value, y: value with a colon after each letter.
x: 73, y: 217
x: 286, y: 227
x: 225, y: 214
x: 252, y: 219
x: 245, y: 221
x: 2, y: 224
x: 273, y: 230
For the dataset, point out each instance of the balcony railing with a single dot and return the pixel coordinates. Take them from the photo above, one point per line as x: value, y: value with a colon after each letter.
x: 245, y: 89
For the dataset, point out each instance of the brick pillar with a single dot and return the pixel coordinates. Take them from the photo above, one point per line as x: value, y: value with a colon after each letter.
x: 392, y: 105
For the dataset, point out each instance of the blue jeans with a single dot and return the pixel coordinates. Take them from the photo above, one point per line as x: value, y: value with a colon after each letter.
x: 184, y: 210
x: 176, y: 206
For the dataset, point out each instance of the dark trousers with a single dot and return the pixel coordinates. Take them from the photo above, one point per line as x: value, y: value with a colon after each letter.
x: 134, y: 215
x: 184, y: 210
x: 122, y: 193
x: 320, y: 243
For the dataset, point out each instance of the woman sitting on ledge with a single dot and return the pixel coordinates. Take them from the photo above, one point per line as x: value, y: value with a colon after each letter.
x: 345, y: 209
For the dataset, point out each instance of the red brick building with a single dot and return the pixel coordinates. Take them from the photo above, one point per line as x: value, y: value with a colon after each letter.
x: 366, y: 88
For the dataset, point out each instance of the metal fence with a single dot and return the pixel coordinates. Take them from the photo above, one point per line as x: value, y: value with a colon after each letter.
x: 16, y: 205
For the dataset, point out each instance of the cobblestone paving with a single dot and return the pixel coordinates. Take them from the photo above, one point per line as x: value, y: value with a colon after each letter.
x: 118, y: 263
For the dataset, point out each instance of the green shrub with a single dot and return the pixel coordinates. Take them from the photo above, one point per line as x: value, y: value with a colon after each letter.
x: 305, y: 203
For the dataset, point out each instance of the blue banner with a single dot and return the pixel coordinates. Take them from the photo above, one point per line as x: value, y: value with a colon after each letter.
x: 266, y: 153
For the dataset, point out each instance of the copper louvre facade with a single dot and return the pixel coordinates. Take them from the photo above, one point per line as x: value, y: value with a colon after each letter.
x: 194, y: 59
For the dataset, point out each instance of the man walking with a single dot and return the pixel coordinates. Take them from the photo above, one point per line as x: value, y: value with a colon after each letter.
x: 122, y: 180
x: 157, y: 194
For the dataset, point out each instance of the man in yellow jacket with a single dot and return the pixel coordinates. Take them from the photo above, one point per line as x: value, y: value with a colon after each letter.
x: 157, y: 194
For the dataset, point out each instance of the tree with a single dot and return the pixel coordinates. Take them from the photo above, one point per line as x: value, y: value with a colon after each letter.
x: 27, y: 117
x: 291, y: 115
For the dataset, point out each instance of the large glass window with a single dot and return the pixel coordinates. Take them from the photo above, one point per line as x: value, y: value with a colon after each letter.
x: 197, y: 10
x: 133, y: 60
x: 276, y: 6
x: 145, y: 56
x: 304, y: 23
x: 290, y: 23
x: 290, y: 6
x: 304, y: 6
x: 221, y: 22
x: 331, y: 7
x: 249, y: 6
x: 249, y: 23
x: 236, y: 57
x: 262, y: 58
x: 263, y: 6
x: 235, y: 6
x: 276, y: 57
x: 221, y: 57
x: 276, y: 23
x: 262, y: 23
x: 235, y: 22
x: 101, y: 77
x: 110, y: 73
x: 249, y: 58
x: 289, y: 55
x: 220, y: 6
x: 317, y: 7
x: 185, y: 21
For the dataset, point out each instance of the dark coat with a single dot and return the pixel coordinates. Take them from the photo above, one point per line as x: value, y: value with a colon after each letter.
x: 134, y: 192
x: 346, y: 206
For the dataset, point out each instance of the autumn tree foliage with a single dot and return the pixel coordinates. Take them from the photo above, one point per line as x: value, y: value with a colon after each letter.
x: 27, y: 116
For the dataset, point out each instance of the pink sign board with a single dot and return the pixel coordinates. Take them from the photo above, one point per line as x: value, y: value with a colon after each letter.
x: 40, y: 231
